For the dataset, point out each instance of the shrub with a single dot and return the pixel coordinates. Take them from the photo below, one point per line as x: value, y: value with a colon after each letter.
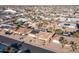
x: 59, y: 31
x: 50, y: 29
x: 76, y: 34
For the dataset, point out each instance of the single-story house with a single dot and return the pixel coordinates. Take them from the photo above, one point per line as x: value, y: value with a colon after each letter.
x: 73, y: 19
x: 69, y: 19
x: 70, y: 25
x: 9, y: 11
x: 22, y: 19
x: 67, y: 25
x: 7, y: 26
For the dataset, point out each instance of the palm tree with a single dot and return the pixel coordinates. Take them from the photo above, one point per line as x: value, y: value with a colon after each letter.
x: 73, y: 46
x: 63, y: 42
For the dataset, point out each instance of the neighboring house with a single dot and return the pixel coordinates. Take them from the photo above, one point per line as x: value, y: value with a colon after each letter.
x: 73, y: 19
x: 6, y: 26
x: 67, y: 25
x: 69, y: 19
x: 9, y: 11
x: 70, y: 25
x: 22, y: 19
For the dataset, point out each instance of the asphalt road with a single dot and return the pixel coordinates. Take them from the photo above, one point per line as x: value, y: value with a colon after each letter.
x: 33, y: 49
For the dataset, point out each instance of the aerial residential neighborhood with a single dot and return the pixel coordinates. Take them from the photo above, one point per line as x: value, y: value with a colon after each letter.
x: 39, y: 29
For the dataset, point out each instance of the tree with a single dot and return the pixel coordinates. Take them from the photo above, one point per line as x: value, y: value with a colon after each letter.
x: 50, y: 29
x: 40, y: 25
x: 45, y: 23
x: 63, y: 41
x: 19, y: 24
x: 13, y: 21
x: 59, y: 31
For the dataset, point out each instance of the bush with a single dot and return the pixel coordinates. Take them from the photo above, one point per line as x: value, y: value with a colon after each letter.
x: 76, y: 34
x: 50, y: 29
x: 59, y: 32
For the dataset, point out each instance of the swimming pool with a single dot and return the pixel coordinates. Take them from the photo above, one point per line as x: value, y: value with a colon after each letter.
x: 2, y: 46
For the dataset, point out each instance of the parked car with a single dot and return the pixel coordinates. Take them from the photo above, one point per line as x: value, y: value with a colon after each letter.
x: 66, y: 33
